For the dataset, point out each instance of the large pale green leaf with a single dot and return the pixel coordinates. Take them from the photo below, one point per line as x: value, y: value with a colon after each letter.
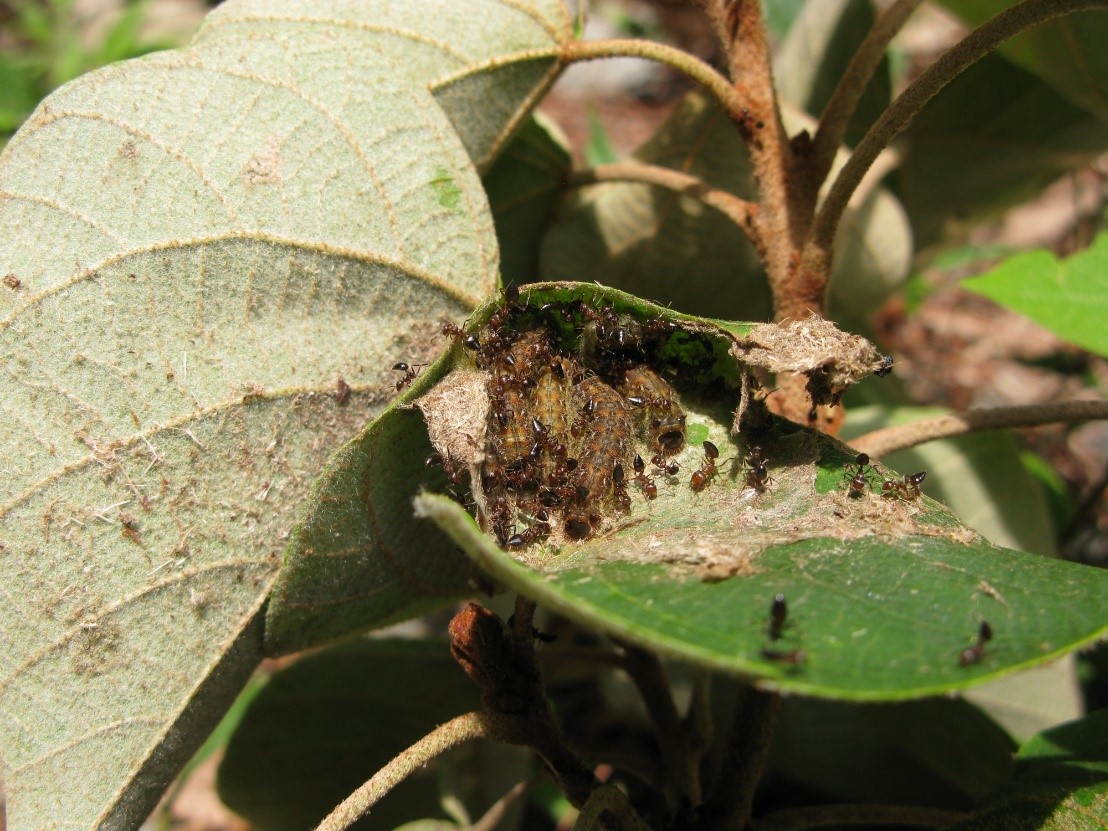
x: 1067, y: 52
x: 199, y: 245
x: 323, y: 726
x: 993, y: 138
x: 1069, y: 297
x: 487, y: 62
x: 674, y: 249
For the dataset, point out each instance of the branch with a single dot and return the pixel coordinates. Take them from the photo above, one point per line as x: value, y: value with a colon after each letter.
x: 611, y: 800
x: 701, y: 72
x: 976, y: 45
x: 889, y: 439
x: 444, y: 737
x: 840, y: 107
x: 738, y: 210
x: 732, y: 795
x: 819, y: 816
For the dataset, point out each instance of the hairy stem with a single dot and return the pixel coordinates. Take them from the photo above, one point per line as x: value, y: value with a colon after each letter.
x: 732, y: 794
x: 703, y: 73
x: 738, y: 210
x: 444, y: 737
x: 978, y: 43
x: 649, y: 677
x: 889, y: 439
x: 840, y: 107
x: 611, y: 801
x: 499, y: 809
x: 800, y: 819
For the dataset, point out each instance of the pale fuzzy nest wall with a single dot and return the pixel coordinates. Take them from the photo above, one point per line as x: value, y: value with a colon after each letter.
x: 809, y: 346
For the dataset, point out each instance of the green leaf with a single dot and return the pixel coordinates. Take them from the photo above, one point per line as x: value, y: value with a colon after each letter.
x: 938, y: 752
x: 1067, y: 52
x: 1060, y: 782
x: 994, y: 137
x: 205, y: 241
x: 881, y: 610
x: 524, y: 186
x: 1069, y: 297
x: 486, y: 62
x: 322, y: 727
x: 675, y: 250
x: 813, y: 57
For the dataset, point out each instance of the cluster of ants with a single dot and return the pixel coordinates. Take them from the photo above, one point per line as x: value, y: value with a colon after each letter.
x: 576, y: 391
x: 862, y: 475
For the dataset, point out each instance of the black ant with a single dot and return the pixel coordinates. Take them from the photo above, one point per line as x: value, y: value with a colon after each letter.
x: 538, y: 531
x: 793, y: 657
x: 778, y: 613
x: 757, y: 475
x: 885, y: 367
x: 971, y: 655
x: 645, y: 483
x: 860, y: 474
x: 468, y: 341
x: 906, y: 488
x: 410, y: 373
x: 708, y: 468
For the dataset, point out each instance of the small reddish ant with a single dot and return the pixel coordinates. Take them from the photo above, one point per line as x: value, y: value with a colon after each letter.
x: 757, y: 474
x: 619, y: 486
x: 973, y: 654
x: 709, y: 469
x: 793, y: 657
x: 859, y: 475
x: 645, y: 483
x: 906, y: 488
x: 410, y: 373
x: 452, y: 330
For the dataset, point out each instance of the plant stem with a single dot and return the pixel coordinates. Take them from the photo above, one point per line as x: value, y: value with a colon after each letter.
x: 732, y: 794
x: 800, y: 819
x: 889, y: 439
x: 444, y: 737
x: 840, y: 107
x: 611, y: 800
x: 978, y: 43
x: 738, y: 210
x: 649, y: 677
x: 701, y: 72
x: 499, y: 809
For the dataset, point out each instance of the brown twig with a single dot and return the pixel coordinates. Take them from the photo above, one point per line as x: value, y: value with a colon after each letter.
x: 840, y: 107
x: 738, y: 210
x: 889, y: 439
x: 819, y: 816
x: 974, y: 46
x: 608, y: 799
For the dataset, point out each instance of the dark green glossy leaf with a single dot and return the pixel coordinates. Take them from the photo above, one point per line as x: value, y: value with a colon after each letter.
x: 323, y: 726
x: 1060, y: 783
x: 1069, y: 297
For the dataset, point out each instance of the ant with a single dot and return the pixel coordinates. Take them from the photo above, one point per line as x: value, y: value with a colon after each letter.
x: 757, y: 475
x: 708, y: 469
x: 906, y: 488
x: 793, y: 657
x: 452, y: 330
x: 971, y: 655
x: 410, y: 373
x: 778, y: 613
x: 859, y: 475
x: 885, y: 367
x: 619, y: 486
x: 666, y: 466
x: 538, y: 531
x: 645, y: 483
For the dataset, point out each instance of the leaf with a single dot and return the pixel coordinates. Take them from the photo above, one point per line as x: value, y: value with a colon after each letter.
x: 1067, y: 52
x: 994, y: 137
x: 812, y: 59
x: 937, y: 752
x: 322, y: 727
x: 980, y: 477
x: 675, y: 250
x: 486, y: 62
x: 524, y: 186
x: 1069, y: 297
x: 1060, y: 782
x: 204, y: 243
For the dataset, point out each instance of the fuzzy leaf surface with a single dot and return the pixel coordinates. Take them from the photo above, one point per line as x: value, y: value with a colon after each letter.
x: 487, y: 62
x: 201, y: 243
x: 1069, y: 297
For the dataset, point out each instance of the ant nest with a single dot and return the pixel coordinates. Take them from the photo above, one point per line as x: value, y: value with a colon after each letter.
x: 577, y: 407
